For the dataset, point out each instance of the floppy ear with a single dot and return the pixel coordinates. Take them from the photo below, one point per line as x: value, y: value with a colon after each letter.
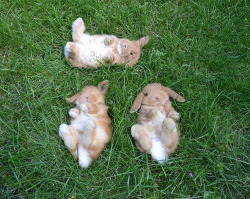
x: 143, y: 41
x: 73, y: 98
x: 173, y: 94
x: 103, y: 86
x: 137, y: 103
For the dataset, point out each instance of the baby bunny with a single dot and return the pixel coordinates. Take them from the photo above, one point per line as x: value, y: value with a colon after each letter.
x: 156, y: 131
x: 90, y: 127
x: 94, y: 50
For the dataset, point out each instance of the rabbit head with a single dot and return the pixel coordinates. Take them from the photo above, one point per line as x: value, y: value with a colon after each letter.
x: 90, y: 94
x: 155, y: 95
x: 131, y: 50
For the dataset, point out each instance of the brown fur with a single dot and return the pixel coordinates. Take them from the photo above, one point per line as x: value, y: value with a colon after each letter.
x: 117, y: 51
x: 90, y: 105
x: 155, y: 106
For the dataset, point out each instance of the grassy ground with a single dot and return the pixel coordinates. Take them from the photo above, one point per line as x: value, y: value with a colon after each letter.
x: 198, y: 48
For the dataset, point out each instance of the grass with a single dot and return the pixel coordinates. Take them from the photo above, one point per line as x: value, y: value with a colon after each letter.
x: 198, y: 48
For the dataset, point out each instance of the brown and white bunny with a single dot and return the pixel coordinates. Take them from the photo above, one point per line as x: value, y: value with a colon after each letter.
x: 90, y: 126
x: 94, y: 50
x: 156, y: 131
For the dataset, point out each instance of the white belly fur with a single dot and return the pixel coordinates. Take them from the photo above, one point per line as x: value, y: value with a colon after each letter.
x: 158, y: 151
x: 77, y: 123
x: 92, y: 49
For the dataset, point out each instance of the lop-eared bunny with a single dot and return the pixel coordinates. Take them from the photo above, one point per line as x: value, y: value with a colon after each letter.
x: 94, y: 50
x: 90, y: 127
x: 156, y: 131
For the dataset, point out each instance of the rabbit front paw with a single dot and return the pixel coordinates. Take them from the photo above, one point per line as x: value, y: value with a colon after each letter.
x: 151, y: 114
x: 107, y: 58
x: 74, y: 112
x: 174, y: 115
x: 84, y: 108
x: 108, y: 40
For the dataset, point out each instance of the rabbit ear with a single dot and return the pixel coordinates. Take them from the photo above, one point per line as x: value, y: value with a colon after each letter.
x: 137, y: 103
x: 73, y: 98
x: 143, y: 41
x: 103, y: 86
x: 173, y: 94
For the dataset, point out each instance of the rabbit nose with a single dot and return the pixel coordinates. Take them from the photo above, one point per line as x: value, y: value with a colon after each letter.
x: 157, y: 99
x: 86, y: 99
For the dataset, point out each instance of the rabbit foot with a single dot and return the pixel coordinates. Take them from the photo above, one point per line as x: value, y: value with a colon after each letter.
x: 68, y: 51
x: 135, y: 131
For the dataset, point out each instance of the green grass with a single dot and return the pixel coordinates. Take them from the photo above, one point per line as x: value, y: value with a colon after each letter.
x: 198, y: 48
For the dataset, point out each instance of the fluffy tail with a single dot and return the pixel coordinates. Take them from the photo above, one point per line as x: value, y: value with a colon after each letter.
x: 78, y: 28
x: 84, y: 158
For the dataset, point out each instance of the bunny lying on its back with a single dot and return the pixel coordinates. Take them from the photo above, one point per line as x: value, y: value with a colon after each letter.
x: 90, y: 127
x: 91, y: 50
x: 157, y: 130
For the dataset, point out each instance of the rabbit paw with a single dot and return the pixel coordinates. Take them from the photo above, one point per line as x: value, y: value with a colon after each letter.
x: 107, y: 58
x: 84, y: 108
x: 174, y: 115
x: 63, y: 129
x: 169, y: 123
x: 68, y: 51
x: 108, y: 40
x: 73, y: 112
x: 151, y: 114
x: 135, y: 131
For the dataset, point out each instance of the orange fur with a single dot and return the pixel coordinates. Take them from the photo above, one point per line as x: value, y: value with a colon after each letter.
x: 94, y: 50
x: 90, y: 127
x: 157, y: 120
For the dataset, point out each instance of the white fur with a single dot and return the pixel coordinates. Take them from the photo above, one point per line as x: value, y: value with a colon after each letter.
x: 73, y: 112
x: 67, y: 50
x: 91, y: 47
x: 101, y: 134
x: 89, y: 123
x: 84, y: 108
x: 157, y: 151
x: 80, y: 121
x: 133, y: 132
x: 84, y: 159
x: 63, y: 128
x: 157, y: 121
x: 66, y: 136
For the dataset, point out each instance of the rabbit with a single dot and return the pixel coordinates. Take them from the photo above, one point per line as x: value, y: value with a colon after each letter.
x: 94, y: 50
x: 156, y: 131
x: 90, y: 126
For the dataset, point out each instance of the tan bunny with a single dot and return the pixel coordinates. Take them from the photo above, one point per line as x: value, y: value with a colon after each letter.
x: 94, y: 50
x: 90, y: 126
x: 156, y: 131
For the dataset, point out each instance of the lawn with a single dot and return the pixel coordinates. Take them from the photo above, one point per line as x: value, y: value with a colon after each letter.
x: 198, y: 48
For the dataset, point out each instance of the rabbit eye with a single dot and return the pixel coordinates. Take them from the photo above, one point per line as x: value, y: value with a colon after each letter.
x: 131, y: 53
x: 145, y: 94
